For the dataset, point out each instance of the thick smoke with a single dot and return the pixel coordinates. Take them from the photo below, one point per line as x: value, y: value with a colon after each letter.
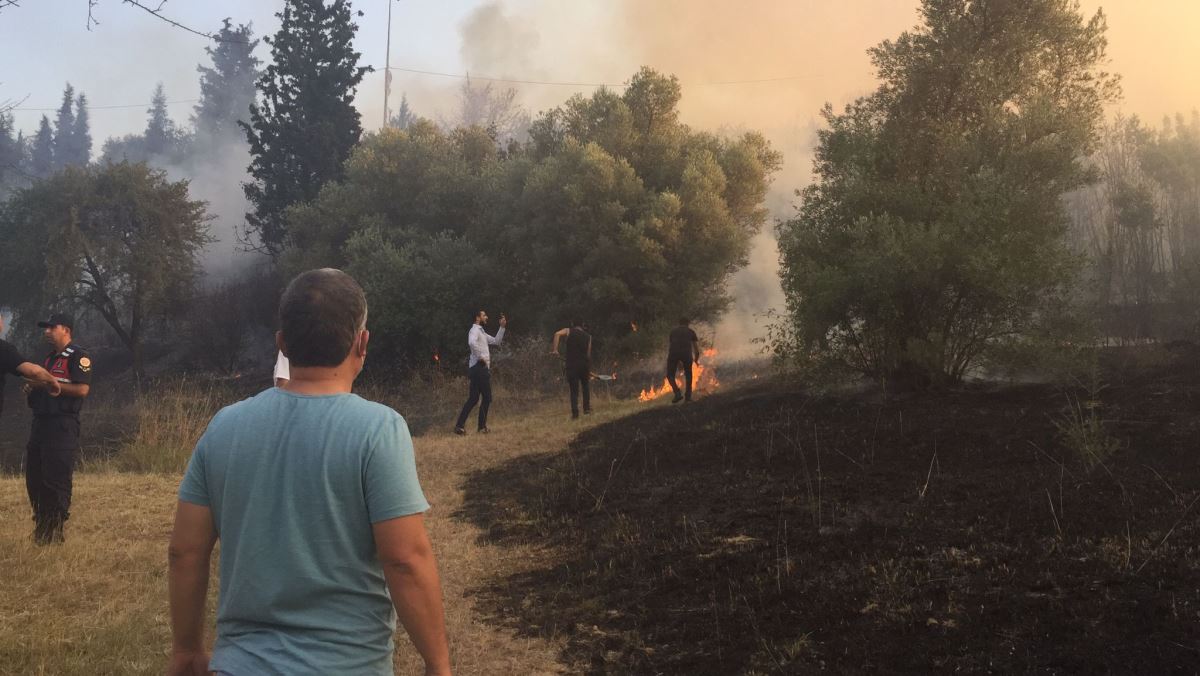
x: 216, y: 178
x: 703, y: 42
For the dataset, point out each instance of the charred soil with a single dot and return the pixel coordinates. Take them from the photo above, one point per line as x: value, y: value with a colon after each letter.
x: 763, y: 530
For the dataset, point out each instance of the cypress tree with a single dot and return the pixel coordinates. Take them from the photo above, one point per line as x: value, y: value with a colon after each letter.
x: 306, y: 124
x: 11, y: 155
x: 227, y: 87
x: 160, y: 130
x: 81, y: 135
x: 41, y: 162
x: 64, y: 129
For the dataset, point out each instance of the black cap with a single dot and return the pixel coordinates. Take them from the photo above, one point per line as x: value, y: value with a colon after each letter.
x: 58, y: 319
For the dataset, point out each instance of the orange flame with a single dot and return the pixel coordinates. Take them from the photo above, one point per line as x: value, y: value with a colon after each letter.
x: 704, y: 380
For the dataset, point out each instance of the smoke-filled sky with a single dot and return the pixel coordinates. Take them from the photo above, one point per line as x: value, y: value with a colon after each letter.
x: 45, y: 43
x: 802, y: 52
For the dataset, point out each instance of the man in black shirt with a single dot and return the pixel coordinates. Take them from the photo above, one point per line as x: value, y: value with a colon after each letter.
x: 50, y: 455
x: 578, y: 364
x: 684, y: 351
x: 11, y: 362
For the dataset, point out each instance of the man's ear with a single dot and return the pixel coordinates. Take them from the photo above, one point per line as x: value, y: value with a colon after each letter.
x: 279, y: 343
x: 360, y: 343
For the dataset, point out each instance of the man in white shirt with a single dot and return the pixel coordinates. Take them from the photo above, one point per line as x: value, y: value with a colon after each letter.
x: 480, y: 371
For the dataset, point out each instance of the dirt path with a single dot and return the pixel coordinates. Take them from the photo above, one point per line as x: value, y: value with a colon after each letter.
x: 445, y: 462
x: 98, y: 603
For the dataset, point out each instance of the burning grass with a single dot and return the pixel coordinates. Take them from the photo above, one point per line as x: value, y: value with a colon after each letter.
x: 704, y: 379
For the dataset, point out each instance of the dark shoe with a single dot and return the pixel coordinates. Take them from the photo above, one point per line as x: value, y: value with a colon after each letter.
x: 41, y: 533
x: 687, y: 400
x: 483, y: 430
x: 460, y: 431
x: 56, y: 532
x: 49, y: 531
x: 574, y: 415
x: 678, y: 398
x: 587, y: 411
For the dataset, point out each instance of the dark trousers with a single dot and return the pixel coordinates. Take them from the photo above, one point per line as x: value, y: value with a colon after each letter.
x: 49, y: 466
x: 481, y: 387
x: 673, y: 364
x: 580, y: 378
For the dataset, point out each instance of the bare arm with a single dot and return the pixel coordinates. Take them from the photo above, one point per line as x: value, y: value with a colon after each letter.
x: 499, y: 334
x: 412, y: 579
x: 41, y: 377
x: 562, y: 333
x: 696, y: 351
x: 188, y: 568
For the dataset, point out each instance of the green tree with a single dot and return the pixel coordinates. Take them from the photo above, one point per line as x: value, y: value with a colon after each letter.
x: 404, y: 117
x: 160, y: 135
x: 563, y: 227
x: 700, y: 204
x: 64, y: 131
x: 935, y: 228
x: 161, y: 143
x: 120, y: 239
x: 1172, y: 160
x: 41, y: 160
x: 81, y: 135
x: 12, y: 156
x: 307, y: 124
x: 417, y: 183
x: 227, y: 86
x: 421, y: 290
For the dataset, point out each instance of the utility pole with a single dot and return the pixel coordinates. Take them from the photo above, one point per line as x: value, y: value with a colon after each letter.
x: 387, y: 67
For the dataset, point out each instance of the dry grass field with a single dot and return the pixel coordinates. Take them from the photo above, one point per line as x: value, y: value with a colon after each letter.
x: 98, y: 604
x: 761, y: 530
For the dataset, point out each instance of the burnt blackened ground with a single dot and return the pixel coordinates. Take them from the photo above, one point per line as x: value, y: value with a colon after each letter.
x: 761, y: 530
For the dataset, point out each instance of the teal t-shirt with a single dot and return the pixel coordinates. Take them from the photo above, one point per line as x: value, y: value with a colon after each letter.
x: 294, y: 483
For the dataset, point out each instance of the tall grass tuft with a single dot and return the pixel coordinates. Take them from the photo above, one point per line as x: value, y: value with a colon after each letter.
x: 169, y: 422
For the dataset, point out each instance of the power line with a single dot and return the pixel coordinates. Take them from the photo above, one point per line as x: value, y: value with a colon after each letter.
x: 157, y: 13
x: 561, y: 83
x: 456, y: 76
x: 506, y: 80
x: 91, y: 107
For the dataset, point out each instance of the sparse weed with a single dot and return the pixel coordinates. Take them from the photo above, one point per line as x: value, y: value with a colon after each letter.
x: 1082, y: 429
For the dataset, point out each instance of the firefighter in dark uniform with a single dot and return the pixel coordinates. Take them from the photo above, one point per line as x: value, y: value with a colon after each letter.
x: 54, y: 441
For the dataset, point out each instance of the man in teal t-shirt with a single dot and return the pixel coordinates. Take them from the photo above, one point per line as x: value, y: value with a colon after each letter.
x: 314, y: 496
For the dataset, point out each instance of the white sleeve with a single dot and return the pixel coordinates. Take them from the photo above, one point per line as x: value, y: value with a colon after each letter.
x: 473, y: 342
x: 499, y: 337
x: 283, y: 367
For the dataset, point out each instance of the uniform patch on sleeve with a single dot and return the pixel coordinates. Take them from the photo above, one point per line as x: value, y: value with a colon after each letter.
x: 85, y: 364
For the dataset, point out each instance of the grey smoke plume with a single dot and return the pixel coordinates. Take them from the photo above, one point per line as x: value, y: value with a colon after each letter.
x: 217, y: 179
x: 702, y: 42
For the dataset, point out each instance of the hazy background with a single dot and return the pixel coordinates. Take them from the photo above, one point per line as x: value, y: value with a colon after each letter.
x: 753, y: 64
